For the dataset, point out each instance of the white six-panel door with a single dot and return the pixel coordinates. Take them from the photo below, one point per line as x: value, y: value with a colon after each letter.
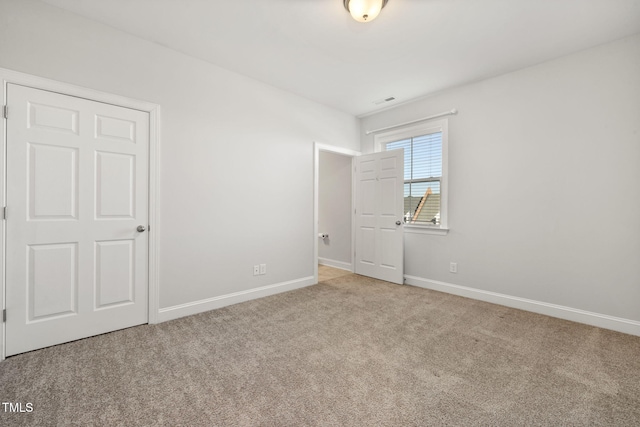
x: 379, y: 206
x: 77, y: 189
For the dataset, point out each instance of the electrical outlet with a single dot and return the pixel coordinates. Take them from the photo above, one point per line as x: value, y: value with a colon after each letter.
x: 256, y: 270
x: 453, y: 267
x: 263, y: 268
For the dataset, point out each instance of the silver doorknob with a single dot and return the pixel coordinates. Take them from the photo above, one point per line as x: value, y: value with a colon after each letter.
x: 140, y: 228
x: 398, y: 222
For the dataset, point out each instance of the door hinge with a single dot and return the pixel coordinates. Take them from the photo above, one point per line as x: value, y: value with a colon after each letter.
x: 4, y: 315
x: 4, y: 212
x: 5, y: 111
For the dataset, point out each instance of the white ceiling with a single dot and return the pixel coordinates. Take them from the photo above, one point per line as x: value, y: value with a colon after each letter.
x: 415, y: 47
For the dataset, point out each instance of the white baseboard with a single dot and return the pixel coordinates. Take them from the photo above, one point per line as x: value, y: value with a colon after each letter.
x: 581, y: 316
x: 336, y: 264
x: 182, y: 310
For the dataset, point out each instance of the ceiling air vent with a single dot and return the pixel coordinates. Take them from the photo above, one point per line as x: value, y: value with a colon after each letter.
x: 382, y: 101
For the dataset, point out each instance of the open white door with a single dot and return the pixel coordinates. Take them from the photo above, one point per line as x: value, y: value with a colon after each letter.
x: 77, y: 213
x: 379, y: 213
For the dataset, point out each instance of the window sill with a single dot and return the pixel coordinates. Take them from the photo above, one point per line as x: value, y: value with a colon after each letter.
x: 425, y: 229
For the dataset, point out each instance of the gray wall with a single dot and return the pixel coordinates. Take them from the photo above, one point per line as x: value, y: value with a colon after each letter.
x: 236, y: 172
x: 544, y: 167
x: 334, y: 209
x: 544, y: 171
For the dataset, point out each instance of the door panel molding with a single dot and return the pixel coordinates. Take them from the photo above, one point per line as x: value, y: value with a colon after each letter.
x: 379, y: 196
x: 114, y: 130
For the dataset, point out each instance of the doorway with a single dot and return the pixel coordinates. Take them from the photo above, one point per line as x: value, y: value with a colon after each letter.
x: 80, y: 190
x: 333, y: 207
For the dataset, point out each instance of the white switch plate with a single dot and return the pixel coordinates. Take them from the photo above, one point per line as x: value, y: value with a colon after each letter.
x: 453, y: 267
x: 263, y: 268
x: 256, y: 270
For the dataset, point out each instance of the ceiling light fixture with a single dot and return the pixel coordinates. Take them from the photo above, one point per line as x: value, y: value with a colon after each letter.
x: 364, y: 10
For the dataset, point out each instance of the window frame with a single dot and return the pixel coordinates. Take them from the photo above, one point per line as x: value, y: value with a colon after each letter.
x: 381, y: 140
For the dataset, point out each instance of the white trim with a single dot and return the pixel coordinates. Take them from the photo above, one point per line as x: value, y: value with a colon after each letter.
x: 14, y: 77
x: 154, y: 215
x: 317, y: 147
x: 336, y: 264
x: 3, y: 199
x: 423, y: 119
x: 425, y: 229
x: 195, y: 307
x: 626, y: 326
x: 337, y: 150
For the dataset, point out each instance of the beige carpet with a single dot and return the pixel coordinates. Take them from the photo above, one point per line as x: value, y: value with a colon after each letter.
x: 350, y: 351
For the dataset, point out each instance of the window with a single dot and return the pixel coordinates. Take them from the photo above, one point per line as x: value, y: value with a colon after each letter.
x: 425, y: 154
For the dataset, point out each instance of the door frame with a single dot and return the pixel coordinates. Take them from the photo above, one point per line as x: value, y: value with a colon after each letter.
x: 15, y: 77
x: 317, y: 147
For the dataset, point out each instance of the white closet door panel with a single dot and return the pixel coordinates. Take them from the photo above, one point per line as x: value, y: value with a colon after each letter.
x: 77, y: 189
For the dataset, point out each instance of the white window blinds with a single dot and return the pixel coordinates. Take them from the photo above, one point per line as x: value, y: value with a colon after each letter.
x: 422, y: 177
